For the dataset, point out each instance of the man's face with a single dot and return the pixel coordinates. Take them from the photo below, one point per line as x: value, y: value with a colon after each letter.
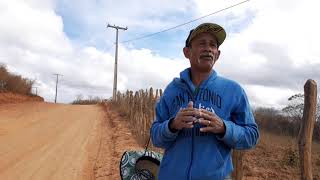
x: 203, y: 52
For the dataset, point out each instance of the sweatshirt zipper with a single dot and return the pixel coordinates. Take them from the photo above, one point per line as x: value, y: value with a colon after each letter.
x: 192, y: 134
x: 189, y: 169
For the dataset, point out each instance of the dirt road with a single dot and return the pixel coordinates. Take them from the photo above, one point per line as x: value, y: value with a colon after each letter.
x: 50, y: 141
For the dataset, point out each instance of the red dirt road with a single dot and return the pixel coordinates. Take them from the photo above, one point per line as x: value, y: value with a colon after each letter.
x: 54, y: 141
x: 85, y: 142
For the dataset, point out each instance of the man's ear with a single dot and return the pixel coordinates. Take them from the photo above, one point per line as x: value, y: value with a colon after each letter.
x: 186, y: 52
x: 218, y: 55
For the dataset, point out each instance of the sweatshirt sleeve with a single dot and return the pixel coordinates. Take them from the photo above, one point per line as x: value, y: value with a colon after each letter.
x: 161, y: 136
x: 242, y: 132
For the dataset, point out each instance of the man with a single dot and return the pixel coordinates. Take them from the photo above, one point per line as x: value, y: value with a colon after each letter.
x: 202, y: 116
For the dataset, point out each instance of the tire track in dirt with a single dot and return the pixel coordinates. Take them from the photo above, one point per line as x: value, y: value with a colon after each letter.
x: 116, y: 138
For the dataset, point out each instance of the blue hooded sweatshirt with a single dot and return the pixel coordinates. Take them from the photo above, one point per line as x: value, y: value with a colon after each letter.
x: 194, y: 155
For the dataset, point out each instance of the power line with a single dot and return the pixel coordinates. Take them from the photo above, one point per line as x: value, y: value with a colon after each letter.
x: 108, y: 48
x: 148, y: 35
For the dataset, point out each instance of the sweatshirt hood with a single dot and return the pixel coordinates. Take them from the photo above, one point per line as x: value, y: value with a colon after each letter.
x: 185, y: 77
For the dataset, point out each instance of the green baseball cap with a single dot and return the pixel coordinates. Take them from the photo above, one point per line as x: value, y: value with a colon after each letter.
x: 212, y: 28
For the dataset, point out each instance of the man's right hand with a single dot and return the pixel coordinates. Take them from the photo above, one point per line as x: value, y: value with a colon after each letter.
x: 184, y: 118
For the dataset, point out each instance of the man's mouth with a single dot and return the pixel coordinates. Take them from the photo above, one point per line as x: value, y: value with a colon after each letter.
x: 206, y: 57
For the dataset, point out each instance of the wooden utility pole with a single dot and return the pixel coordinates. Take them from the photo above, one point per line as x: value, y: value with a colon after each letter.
x: 114, y: 94
x: 306, y: 129
x: 57, y: 80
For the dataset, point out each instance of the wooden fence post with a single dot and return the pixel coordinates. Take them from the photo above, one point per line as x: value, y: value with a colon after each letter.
x: 237, y: 173
x: 306, y: 129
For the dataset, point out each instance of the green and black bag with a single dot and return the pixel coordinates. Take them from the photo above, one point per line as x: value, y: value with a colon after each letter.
x: 140, y: 165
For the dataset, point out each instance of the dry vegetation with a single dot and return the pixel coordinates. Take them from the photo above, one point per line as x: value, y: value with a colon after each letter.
x: 275, y: 157
x: 14, y: 88
x: 10, y: 82
x: 138, y: 108
x: 91, y: 100
x: 272, y: 121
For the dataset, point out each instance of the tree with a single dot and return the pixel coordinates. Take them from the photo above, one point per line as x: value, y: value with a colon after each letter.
x: 295, y: 107
x: 79, y: 97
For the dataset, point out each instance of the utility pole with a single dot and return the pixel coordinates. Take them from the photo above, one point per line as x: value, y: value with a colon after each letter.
x: 35, y: 86
x: 36, y: 90
x: 57, y: 80
x: 114, y: 94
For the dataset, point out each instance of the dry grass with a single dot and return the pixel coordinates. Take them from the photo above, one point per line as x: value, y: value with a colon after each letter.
x: 277, y: 157
x: 87, y: 101
x: 139, y: 110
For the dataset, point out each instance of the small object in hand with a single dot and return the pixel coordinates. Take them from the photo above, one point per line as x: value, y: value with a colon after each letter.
x: 196, y: 121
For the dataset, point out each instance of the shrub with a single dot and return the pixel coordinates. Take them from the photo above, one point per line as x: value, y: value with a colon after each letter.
x: 90, y: 100
x: 14, y: 83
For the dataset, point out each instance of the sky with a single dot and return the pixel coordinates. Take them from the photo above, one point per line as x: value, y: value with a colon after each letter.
x: 271, y: 46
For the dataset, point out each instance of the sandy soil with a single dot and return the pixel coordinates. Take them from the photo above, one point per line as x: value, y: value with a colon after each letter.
x: 115, y: 139
x: 54, y: 141
x: 8, y: 97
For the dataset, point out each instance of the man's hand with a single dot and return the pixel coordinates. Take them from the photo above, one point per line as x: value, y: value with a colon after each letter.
x: 184, y: 118
x: 212, y: 122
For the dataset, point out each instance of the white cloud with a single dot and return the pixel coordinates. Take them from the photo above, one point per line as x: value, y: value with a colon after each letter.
x: 268, y: 96
x: 144, y: 69
x: 39, y: 30
x: 275, y: 52
x: 141, y: 17
x: 271, y: 47
x: 43, y: 49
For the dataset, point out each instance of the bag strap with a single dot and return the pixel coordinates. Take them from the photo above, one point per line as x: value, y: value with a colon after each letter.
x: 147, y: 145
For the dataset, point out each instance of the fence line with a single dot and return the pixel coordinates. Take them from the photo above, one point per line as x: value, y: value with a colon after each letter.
x: 140, y: 110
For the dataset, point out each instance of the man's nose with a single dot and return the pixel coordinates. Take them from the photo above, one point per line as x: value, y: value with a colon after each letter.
x: 208, y: 47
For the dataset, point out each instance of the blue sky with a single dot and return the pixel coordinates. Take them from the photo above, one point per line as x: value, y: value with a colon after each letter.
x: 81, y: 29
x: 271, y: 47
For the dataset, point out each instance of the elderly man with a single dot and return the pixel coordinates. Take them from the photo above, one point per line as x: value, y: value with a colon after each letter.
x: 202, y: 116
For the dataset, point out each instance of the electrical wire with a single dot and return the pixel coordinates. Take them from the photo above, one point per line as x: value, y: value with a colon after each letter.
x: 149, y: 35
